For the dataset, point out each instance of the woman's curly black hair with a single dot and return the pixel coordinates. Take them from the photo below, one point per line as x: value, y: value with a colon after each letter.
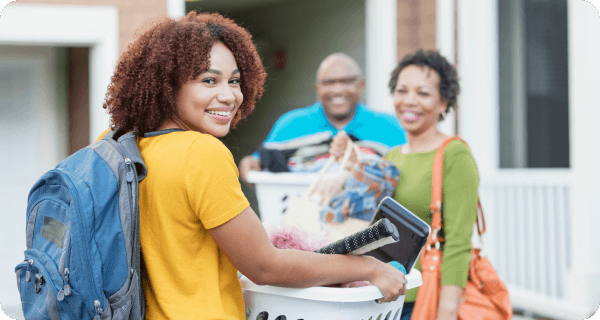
x: 449, y: 86
x: 148, y: 76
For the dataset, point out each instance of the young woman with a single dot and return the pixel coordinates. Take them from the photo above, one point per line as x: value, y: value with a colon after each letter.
x: 181, y: 85
x: 425, y: 86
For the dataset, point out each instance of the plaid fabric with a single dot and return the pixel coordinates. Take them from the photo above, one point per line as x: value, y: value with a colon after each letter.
x: 368, y: 184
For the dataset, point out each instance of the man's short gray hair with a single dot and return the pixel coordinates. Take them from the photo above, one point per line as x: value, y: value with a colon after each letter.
x: 339, y: 56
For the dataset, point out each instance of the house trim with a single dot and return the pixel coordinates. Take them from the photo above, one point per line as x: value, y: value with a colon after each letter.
x: 95, y: 27
x: 381, y: 52
x: 584, y: 67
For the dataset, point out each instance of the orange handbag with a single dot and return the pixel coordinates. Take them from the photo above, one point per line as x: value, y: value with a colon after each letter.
x: 485, y: 296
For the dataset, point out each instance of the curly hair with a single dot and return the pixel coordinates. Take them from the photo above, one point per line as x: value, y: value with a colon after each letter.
x: 449, y: 86
x: 143, y: 89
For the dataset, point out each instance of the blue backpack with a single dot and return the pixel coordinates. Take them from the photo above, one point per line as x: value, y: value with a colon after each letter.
x: 83, y: 249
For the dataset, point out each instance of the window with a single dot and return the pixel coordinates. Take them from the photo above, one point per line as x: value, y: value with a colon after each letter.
x: 534, y: 97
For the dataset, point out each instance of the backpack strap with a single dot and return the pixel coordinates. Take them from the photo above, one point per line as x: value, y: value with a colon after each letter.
x: 437, y: 175
x: 128, y: 142
x: 114, y: 134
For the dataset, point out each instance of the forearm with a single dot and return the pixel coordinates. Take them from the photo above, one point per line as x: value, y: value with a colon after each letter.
x: 300, y: 269
x: 246, y: 244
x: 449, y: 302
x: 293, y: 268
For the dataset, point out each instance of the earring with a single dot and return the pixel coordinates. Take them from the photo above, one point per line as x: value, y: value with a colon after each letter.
x: 443, y: 115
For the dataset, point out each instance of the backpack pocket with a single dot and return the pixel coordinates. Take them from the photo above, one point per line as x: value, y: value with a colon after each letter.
x: 40, y: 284
x: 127, y: 306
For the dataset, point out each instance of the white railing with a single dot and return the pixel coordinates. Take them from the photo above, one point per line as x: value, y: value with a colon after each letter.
x: 529, y: 239
x: 529, y: 236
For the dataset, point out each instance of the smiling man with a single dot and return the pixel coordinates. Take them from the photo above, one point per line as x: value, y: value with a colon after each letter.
x: 339, y: 85
x: 299, y: 140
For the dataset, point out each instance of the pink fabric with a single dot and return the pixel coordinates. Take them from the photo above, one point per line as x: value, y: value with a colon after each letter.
x: 292, y: 237
x: 286, y: 237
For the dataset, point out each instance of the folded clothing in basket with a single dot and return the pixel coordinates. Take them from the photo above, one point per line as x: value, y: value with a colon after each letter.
x: 381, y: 233
x: 369, y: 182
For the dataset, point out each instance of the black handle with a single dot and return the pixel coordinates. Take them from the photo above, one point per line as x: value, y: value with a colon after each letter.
x: 381, y: 233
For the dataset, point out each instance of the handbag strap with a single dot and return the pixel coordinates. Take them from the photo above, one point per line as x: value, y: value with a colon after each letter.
x: 349, y: 148
x: 437, y: 175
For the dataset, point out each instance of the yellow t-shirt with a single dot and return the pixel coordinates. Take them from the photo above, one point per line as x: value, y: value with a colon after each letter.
x: 192, y: 185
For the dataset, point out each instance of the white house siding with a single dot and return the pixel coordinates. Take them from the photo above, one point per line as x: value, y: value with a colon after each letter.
x: 33, y: 125
x: 542, y: 222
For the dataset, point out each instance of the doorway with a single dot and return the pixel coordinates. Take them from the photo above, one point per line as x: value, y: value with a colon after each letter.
x: 306, y: 32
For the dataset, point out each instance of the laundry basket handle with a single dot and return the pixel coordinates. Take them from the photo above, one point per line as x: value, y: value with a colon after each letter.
x: 349, y: 148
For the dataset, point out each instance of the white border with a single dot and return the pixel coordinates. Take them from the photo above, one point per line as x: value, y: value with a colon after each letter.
x: 95, y: 27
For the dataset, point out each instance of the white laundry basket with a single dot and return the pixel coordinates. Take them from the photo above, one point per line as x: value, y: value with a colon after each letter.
x: 275, y: 303
x: 274, y: 191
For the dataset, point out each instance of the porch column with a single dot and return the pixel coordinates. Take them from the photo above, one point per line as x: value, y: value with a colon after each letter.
x: 381, y: 52
x: 104, y: 54
x: 445, y: 39
x: 176, y: 8
x: 478, y: 72
x: 584, y: 66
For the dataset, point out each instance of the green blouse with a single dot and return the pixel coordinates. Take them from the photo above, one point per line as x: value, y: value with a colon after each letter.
x: 459, y: 201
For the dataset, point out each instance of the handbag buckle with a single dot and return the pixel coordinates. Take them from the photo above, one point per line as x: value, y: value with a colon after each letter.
x: 434, y: 233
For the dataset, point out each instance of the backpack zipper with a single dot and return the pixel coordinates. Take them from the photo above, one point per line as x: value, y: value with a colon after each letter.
x: 41, y: 273
x: 132, y: 207
x: 131, y: 174
x: 129, y: 170
x: 135, y: 238
x: 28, y: 272
x: 66, y: 290
x: 98, y: 310
x: 85, y: 253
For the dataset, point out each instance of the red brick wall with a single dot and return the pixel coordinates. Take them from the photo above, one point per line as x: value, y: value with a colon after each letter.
x: 416, y: 26
x: 79, y: 99
x: 132, y: 13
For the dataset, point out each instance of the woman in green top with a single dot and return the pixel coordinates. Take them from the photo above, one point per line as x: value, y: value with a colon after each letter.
x: 425, y: 86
